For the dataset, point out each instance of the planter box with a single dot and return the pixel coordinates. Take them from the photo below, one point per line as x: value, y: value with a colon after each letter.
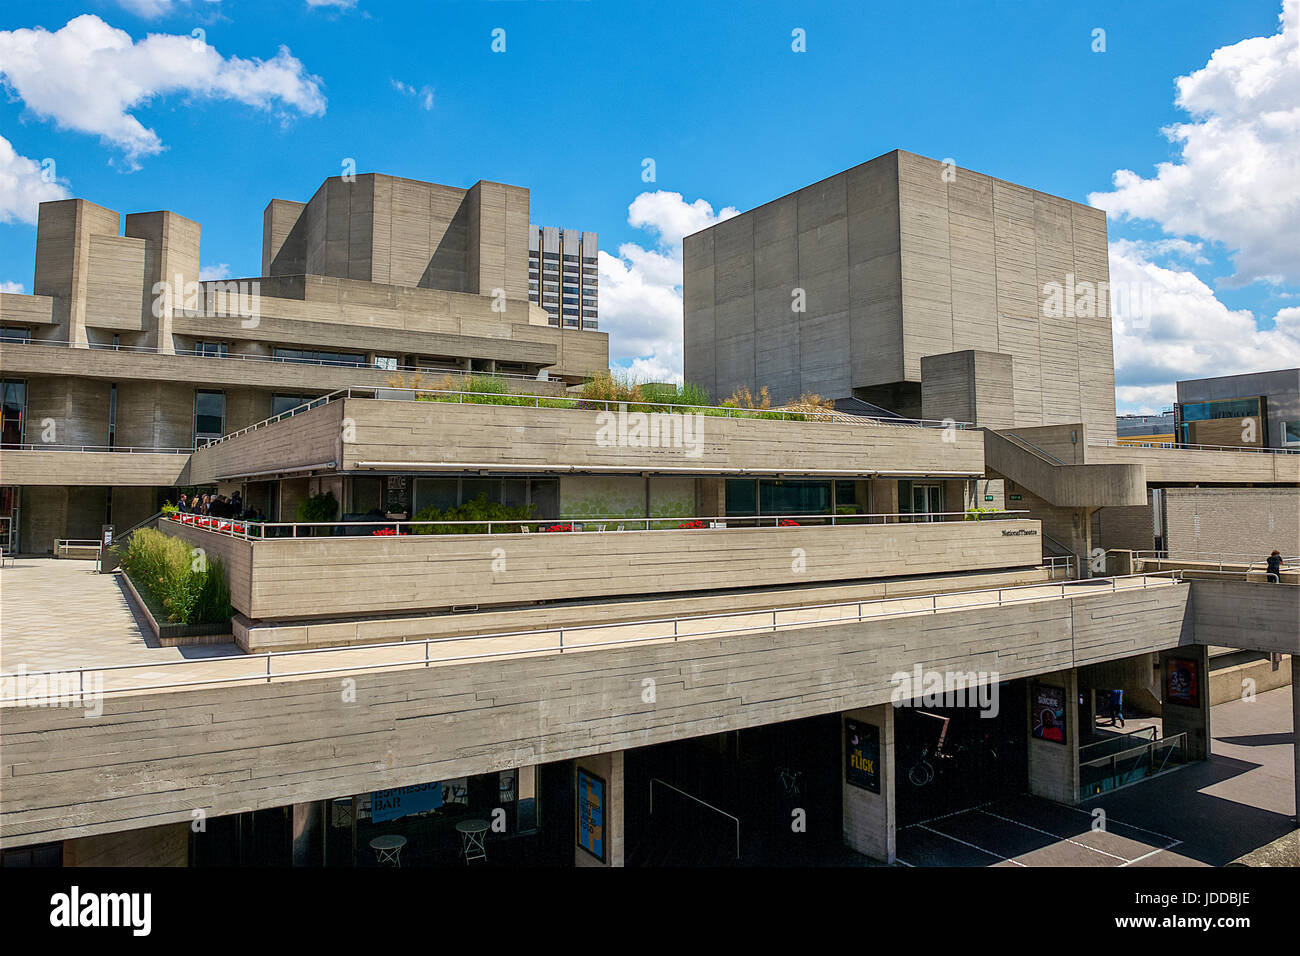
x: 178, y: 635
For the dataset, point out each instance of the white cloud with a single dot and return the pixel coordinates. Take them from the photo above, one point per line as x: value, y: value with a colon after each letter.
x: 1186, y: 332
x: 641, y: 288
x: 1238, y: 178
x: 340, y: 4
x: 89, y: 77
x: 15, y: 287
x: 216, y: 270
x: 151, y: 9
x: 424, y: 94
x: 24, y: 185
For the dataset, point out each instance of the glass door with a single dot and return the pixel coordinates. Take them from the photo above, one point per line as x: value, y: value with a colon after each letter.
x: 9, y: 519
x: 927, y: 502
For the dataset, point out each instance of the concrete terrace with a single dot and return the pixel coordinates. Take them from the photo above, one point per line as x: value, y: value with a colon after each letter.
x: 41, y: 598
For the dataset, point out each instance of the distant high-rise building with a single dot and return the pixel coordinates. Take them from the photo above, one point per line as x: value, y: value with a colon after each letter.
x: 562, y: 275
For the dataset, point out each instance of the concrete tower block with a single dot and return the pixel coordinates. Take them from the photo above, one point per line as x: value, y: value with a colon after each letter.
x: 172, y: 256
x: 968, y: 386
x: 63, y: 232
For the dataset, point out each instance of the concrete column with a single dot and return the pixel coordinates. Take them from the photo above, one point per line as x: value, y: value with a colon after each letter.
x: 609, y: 768
x: 1177, y: 717
x: 870, y: 818
x: 1054, y: 766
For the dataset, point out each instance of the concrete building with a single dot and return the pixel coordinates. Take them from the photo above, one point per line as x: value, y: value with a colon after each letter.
x: 1255, y: 410
x: 842, y: 287
x: 663, y: 633
x: 1145, y: 429
x: 122, y: 361
x: 563, y: 276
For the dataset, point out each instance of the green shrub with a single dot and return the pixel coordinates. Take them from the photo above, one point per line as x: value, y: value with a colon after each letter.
x: 974, y: 514
x: 165, y: 570
x: 477, y: 509
x: 322, y: 507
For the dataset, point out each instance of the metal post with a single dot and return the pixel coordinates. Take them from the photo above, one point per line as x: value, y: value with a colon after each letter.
x: 561, y: 640
x: 674, y: 629
x: 774, y: 619
x: 426, y: 652
x: 268, y: 668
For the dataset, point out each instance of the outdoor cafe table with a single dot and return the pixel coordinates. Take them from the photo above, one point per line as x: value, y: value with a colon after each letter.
x: 388, y: 849
x: 472, y: 834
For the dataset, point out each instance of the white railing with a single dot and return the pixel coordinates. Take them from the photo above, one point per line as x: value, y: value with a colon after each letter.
x: 520, y: 399
x: 1175, y: 446
x: 611, y: 524
x: 1209, y: 557
x: 668, y: 629
x: 117, y: 449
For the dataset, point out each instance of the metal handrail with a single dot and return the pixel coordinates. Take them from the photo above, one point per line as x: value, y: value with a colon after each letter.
x: 98, y: 449
x: 1117, y: 737
x: 1161, y: 556
x: 576, y: 402
x: 1089, y: 587
x: 253, y: 529
x: 1030, y: 447
x: 252, y: 357
x: 1115, y: 443
x: 734, y: 819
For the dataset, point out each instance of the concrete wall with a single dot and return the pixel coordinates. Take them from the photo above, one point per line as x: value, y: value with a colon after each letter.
x: 1054, y: 767
x: 310, y: 577
x: 1249, y: 521
x: 1247, y: 615
x: 257, y: 745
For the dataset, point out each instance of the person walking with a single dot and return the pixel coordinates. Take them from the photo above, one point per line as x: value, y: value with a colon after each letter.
x: 182, y: 505
x: 1117, y: 707
x: 1274, y: 568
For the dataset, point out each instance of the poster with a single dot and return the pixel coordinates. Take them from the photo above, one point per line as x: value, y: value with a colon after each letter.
x: 403, y: 801
x: 591, y: 814
x: 1048, y: 715
x: 862, y: 755
x: 1182, y: 685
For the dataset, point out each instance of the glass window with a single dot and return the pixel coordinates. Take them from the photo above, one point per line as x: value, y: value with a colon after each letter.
x: 366, y: 495
x: 471, y: 488
x: 13, y: 411
x: 10, y: 334
x: 386, y: 362
x: 440, y: 493
x: 741, y: 496
x: 545, y: 494
x: 792, y: 497
x: 315, y: 357
x: 212, y: 349
x: 209, y: 415
x: 283, y: 403
x: 1291, y: 433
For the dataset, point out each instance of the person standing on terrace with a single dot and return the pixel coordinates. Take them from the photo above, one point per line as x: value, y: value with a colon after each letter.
x: 1274, y: 569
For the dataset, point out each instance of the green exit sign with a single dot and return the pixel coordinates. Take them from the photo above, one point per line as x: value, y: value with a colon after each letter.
x: 988, y: 497
x: 1015, y: 497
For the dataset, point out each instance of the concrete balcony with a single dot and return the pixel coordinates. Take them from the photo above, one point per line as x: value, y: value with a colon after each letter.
x: 1200, y: 465
x: 301, y: 578
x: 226, y: 747
x: 397, y: 433
x: 56, y: 465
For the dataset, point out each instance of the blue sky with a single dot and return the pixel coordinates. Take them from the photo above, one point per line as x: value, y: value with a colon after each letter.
x: 585, y: 91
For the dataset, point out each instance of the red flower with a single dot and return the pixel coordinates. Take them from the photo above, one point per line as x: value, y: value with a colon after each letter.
x: 558, y: 527
x: 691, y: 525
x: 787, y: 523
